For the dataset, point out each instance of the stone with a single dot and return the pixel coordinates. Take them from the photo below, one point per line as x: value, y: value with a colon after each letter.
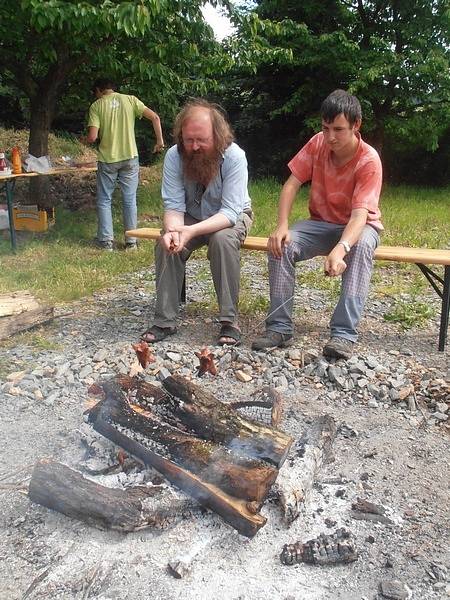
x: 16, y: 376
x: 358, y: 367
x: 440, y: 416
x: 242, y: 376
x: 334, y: 373
x: 404, y: 392
x: 174, y: 356
x: 296, y: 354
x: 442, y: 407
x: 394, y: 589
x: 393, y: 394
x: 100, y: 355
x: 321, y: 368
x: 372, y: 403
x: 50, y: 399
x: 85, y: 371
x: 412, y: 404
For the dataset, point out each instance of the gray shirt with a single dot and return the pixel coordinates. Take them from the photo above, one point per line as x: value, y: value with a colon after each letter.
x: 227, y: 193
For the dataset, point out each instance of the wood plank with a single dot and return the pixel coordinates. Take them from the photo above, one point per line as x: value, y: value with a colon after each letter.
x: 57, y: 171
x: 393, y: 253
x: 20, y: 311
x: 17, y: 302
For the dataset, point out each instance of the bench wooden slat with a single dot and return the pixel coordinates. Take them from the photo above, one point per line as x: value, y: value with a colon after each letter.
x: 422, y: 256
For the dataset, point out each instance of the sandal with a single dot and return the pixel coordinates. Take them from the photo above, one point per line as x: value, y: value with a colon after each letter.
x: 158, y: 333
x: 228, y: 331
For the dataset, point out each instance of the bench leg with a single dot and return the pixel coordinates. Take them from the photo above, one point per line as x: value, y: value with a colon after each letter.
x: 183, y: 290
x: 445, y: 309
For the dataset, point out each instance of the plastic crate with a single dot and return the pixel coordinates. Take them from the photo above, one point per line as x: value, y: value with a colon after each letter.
x: 32, y: 218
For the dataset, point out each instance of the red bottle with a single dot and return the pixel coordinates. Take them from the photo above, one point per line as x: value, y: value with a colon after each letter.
x: 3, y: 165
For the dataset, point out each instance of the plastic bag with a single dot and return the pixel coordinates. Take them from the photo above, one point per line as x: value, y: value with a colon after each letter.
x: 32, y: 164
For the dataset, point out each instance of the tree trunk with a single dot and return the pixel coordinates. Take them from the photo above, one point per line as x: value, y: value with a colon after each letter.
x: 42, y: 113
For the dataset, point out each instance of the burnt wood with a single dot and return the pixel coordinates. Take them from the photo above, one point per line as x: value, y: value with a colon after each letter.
x: 215, y: 421
x: 232, y: 510
x: 60, y: 488
x: 336, y: 548
x: 307, y: 455
x: 240, y: 476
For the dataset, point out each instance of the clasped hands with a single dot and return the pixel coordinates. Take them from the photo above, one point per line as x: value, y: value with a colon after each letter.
x: 334, y: 264
x: 174, y: 240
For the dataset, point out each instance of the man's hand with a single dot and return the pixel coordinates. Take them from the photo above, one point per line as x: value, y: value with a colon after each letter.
x: 158, y: 147
x: 334, y: 262
x: 174, y: 241
x: 278, y: 239
x: 170, y: 241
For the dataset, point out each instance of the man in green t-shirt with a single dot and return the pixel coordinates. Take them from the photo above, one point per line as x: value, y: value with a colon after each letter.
x: 111, y: 119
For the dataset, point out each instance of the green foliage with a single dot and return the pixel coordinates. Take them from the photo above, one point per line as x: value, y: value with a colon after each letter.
x: 410, y: 314
x: 52, y: 49
x: 395, y: 56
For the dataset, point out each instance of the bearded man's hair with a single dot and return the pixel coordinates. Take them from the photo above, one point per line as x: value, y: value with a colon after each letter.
x: 222, y: 132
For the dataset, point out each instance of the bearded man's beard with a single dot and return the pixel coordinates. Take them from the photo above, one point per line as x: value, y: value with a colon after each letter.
x: 200, y: 166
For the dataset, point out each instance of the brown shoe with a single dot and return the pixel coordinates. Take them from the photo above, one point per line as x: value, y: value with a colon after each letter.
x: 272, y: 339
x: 338, y: 347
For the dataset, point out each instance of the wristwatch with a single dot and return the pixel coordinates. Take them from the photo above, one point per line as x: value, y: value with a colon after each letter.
x: 346, y: 245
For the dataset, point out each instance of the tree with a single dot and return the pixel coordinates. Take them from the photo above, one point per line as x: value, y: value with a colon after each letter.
x: 51, y: 49
x: 393, y: 54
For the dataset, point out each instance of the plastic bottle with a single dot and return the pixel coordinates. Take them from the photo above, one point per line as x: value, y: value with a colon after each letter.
x: 3, y: 165
x: 16, y: 161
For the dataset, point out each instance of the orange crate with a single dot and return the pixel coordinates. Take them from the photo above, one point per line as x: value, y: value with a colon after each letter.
x: 32, y: 218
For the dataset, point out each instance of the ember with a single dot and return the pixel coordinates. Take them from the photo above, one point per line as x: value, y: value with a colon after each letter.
x: 144, y: 354
x: 207, y: 365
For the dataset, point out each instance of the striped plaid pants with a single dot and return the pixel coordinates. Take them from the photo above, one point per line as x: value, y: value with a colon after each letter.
x: 317, y: 238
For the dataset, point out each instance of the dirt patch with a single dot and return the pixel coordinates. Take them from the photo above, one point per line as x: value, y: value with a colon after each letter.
x: 387, y: 452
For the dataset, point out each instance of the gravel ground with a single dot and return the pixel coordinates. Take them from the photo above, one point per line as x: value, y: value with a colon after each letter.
x: 390, y: 403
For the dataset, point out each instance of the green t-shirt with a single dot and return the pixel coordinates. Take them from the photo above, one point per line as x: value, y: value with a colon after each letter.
x: 114, y: 115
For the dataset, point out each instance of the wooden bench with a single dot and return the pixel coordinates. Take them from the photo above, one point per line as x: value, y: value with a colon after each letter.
x: 422, y: 257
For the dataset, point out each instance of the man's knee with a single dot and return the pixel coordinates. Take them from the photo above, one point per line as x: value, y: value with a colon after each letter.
x: 224, y: 240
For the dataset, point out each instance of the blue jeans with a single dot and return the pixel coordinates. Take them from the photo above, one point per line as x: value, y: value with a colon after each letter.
x: 126, y: 172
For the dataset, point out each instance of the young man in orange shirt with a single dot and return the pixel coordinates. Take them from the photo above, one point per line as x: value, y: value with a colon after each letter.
x: 344, y: 223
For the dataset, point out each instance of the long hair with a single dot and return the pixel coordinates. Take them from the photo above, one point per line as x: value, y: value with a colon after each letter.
x: 222, y: 132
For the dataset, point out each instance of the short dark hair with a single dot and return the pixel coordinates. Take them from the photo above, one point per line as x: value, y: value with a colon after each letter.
x: 341, y: 102
x: 103, y: 83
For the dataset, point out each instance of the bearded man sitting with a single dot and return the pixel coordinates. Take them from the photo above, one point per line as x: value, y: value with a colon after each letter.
x: 206, y: 201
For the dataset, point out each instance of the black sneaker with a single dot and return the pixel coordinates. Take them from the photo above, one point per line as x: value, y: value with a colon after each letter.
x: 130, y: 246
x: 338, y: 347
x: 105, y: 245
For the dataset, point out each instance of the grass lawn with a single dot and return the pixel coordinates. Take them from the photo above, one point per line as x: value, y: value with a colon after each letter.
x: 63, y: 265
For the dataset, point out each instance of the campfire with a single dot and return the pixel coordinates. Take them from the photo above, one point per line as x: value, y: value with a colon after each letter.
x: 227, y: 457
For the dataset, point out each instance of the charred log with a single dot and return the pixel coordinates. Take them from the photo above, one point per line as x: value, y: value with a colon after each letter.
x: 323, y: 550
x: 239, y: 476
x: 232, y: 510
x: 60, y: 488
x: 307, y: 455
x: 216, y: 421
